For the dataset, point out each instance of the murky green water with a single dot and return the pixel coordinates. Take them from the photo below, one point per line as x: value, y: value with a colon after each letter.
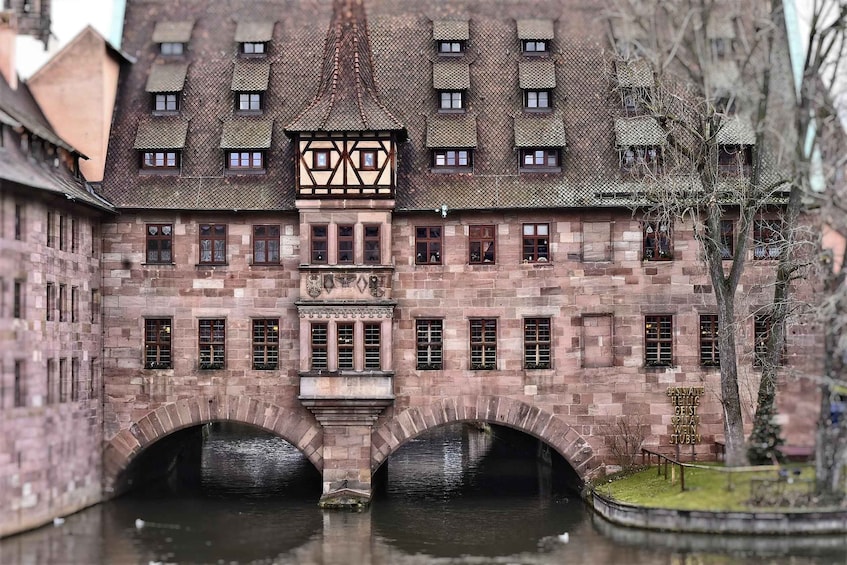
x: 454, y: 496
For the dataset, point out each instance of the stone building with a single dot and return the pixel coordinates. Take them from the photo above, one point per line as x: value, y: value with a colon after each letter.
x: 50, y: 326
x: 423, y: 215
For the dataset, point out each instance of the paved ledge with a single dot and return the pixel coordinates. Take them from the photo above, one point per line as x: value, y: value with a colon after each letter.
x: 697, y: 521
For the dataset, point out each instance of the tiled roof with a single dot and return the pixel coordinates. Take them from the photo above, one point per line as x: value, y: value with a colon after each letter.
x: 247, y: 134
x: 400, y: 34
x: 451, y: 131
x: 451, y: 75
x: 535, y: 29
x: 640, y: 130
x: 347, y: 99
x: 19, y: 110
x: 539, y: 132
x: 161, y: 133
x: 167, y: 77
x: 173, y: 32
x: 540, y: 75
x: 258, y: 31
x: 737, y: 130
x: 250, y: 76
x: 635, y: 73
x: 450, y: 30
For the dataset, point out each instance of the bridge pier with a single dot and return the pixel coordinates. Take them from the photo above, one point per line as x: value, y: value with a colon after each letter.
x: 347, y: 408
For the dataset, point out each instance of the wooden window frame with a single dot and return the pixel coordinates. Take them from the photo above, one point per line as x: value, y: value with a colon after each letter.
x: 345, y: 244
x: 19, y: 221
x: 483, y: 344
x: 429, y: 335
x: 709, y: 345
x: 767, y: 239
x: 19, y: 399
x: 249, y: 102
x: 428, y: 245
x: 158, y: 353
x: 249, y: 49
x: 63, y: 380
x: 538, y: 343
x: 17, y: 299
x: 266, y: 245
x: 535, y: 246
x: 166, y: 102
x: 534, y: 96
x: 317, y: 156
x: 62, y: 303
x: 452, y: 160
x: 658, y: 340
x: 372, y: 337
x: 762, y: 327
x: 451, y: 48
x: 172, y: 48
x: 50, y: 302
x: 216, y: 234
x: 366, y: 155
x: 166, y: 160
x: 74, y: 379
x: 51, y: 235
x: 550, y: 160
x: 455, y: 101
x: 735, y: 160
x: 482, y: 244
x: 319, y: 244
x: 319, y: 346
x: 74, y: 304
x: 265, y: 341
x: 245, y: 161
x: 159, y: 239
x: 345, y: 339
x: 531, y: 46
x: 372, y: 244
x: 211, y: 341
x: 641, y: 160
x: 727, y: 239
x: 656, y: 241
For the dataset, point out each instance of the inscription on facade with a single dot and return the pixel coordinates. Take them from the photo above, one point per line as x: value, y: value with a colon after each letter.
x: 686, y: 419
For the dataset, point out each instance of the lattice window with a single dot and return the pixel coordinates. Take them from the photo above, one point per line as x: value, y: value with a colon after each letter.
x: 346, y: 345
x: 658, y: 242
x: 319, y: 332
x: 536, y: 243
x: 709, y: 347
x: 373, y: 255
x: 346, y: 242
x: 213, y: 244
x: 212, y: 341
x: 481, y: 244
x: 483, y: 344
x: 157, y: 343
x: 428, y: 245
x: 159, y: 243
x: 537, y: 343
x: 429, y: 344
x: 372, y: 347
x: 266, y: 344
x: 658, y: 341
x: 319, y: 243
x: 266, y: 244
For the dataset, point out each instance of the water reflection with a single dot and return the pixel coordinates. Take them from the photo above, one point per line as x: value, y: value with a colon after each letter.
x: 456, y: 495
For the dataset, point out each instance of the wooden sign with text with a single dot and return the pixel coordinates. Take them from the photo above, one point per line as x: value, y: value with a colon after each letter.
x: 685, y: 420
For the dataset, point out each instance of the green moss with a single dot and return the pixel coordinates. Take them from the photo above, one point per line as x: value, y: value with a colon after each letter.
x: 706, y: 489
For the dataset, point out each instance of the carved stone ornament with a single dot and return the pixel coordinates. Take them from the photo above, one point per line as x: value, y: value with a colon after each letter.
x: 377, y: 286
x: 313, y: 285
x: 346, y: 312
x: 328, y: 283
x: 345, y: 279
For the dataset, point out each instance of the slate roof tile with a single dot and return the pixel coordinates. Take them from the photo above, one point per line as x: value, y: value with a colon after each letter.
x: 250, y: 76
x: 166, y: 77
x: 450, y: 30
x: 451, y: 131
x: 254, y: 31
x: 535, y: 29
x: 173, y: 31
x: 451, y: 75
x: 247, y: 134
x: 537, y: 75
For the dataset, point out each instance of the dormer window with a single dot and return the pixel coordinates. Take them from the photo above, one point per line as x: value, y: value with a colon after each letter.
x: 172, y: 37
x: 452, y: 140
x: 245, y: 161
x: 735, y: 160
x: 535, y: 36
x: 254, y: 48
x: 171, y: 48
x: 167, y: 102
x: 253, y: 38
x: 534, y: 47
x: 641, y: 160
x: 160, y: 160
x: 245, y: 144
x: 540, y: 159
x: 451, y: 47
x: 451, y: 100
x: 451, y: 37
x: 248, y: 101
x: 160, y: 144
x: 537, y: 100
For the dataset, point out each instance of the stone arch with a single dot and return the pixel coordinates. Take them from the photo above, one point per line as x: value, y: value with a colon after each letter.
x: 501, y: 410
x: 297, y: 427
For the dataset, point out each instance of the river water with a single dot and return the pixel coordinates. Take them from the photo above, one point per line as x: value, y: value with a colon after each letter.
x: 456, y: 495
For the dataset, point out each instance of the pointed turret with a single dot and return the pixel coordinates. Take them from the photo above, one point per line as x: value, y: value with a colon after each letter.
x: 347, y: 98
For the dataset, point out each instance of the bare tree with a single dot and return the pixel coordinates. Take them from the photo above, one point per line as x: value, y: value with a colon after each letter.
x: 736, y: 149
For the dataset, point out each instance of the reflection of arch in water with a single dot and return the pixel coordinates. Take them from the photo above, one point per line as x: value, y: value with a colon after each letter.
x: 295, y: 427
x: 500, y: 410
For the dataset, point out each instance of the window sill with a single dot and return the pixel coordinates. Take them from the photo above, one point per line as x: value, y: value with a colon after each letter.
x: 658, y: 367
x: 451, y: 54
x: 156, y: 264
x: 451, y: 170
x: 210, y: 367
x: 212, y: 265
x: 267, y: 367
x: 531, y: 170
x: 537, y: 263
x: 535, y: 53
x: 249, y: 112
x: 429, y: 367
x: 159, y: 172
x: 244, y: 172
x: 451, y: 111
x: 162, y: 368
x: 267, y: 264
x: 538, y: 110
x: 482, y: 263
x: 659, y: 260
x: 165, y: 113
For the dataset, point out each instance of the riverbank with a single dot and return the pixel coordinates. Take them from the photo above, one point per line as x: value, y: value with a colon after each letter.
x: 713, y: 499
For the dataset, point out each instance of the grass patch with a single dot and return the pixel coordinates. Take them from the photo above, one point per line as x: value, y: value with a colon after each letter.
x: 711, y: 489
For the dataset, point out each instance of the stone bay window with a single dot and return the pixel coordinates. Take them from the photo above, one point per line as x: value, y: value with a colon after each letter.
x: 345, y: 344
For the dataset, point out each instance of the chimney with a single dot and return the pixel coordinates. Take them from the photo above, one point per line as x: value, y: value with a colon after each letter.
x: 8, y: 37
